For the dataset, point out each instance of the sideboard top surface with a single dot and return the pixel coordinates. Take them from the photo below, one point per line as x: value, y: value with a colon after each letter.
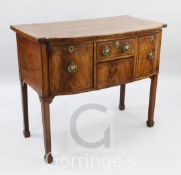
x: 86, y: 28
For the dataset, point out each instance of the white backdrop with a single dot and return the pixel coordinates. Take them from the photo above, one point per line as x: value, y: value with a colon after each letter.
x: 155, y: 151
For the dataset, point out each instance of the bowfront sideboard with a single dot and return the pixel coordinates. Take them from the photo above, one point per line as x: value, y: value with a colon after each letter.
x: 78, y: 56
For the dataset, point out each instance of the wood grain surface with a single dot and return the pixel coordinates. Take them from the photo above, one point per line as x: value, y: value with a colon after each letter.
x: 86, y: 28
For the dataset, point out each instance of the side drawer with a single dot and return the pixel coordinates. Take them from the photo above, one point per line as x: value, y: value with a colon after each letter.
x: 116, y: 48
x: 71, y: 68
x: 115, y: 72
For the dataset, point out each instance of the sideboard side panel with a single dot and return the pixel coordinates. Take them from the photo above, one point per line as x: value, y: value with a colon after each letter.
x: 159, y: 50
x: 30, y: 63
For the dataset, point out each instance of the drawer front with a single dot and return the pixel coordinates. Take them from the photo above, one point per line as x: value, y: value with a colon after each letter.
x: 147, y: 55
x: 71, y: 68
x: 115, y: 72
x: 116, y: 48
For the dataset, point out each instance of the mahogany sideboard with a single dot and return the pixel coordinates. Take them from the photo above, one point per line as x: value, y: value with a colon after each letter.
x: 77, y: 56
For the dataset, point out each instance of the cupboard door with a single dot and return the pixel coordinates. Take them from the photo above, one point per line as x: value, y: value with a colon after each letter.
x: 148, y: 55
x: 71, y: 68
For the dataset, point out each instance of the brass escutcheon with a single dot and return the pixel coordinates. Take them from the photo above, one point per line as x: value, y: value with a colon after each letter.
x: 71, y: 49
x: 117, y: 44
x: 152, y: 38
x: 151, y: 55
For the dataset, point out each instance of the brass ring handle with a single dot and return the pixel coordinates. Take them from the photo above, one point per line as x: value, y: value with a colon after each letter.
x: 151, y: 55
x: 72, y: 67
x: 126, y: 47
x: 106, y: 51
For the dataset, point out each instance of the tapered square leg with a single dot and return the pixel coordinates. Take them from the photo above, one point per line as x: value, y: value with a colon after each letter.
x: 153, y: 88
x: 24, y: 95
x: 45, y: 102
x: 122, y: 97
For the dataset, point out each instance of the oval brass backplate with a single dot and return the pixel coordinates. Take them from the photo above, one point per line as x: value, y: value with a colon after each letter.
x: 126, y: 47
x: 106, y: 51
x: 72, y: 67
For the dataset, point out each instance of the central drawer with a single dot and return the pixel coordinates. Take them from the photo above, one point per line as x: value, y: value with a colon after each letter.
x: 115, y: 61
x: 115, y: 72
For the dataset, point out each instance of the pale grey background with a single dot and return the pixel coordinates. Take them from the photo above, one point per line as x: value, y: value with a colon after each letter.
x: 155, y: 150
